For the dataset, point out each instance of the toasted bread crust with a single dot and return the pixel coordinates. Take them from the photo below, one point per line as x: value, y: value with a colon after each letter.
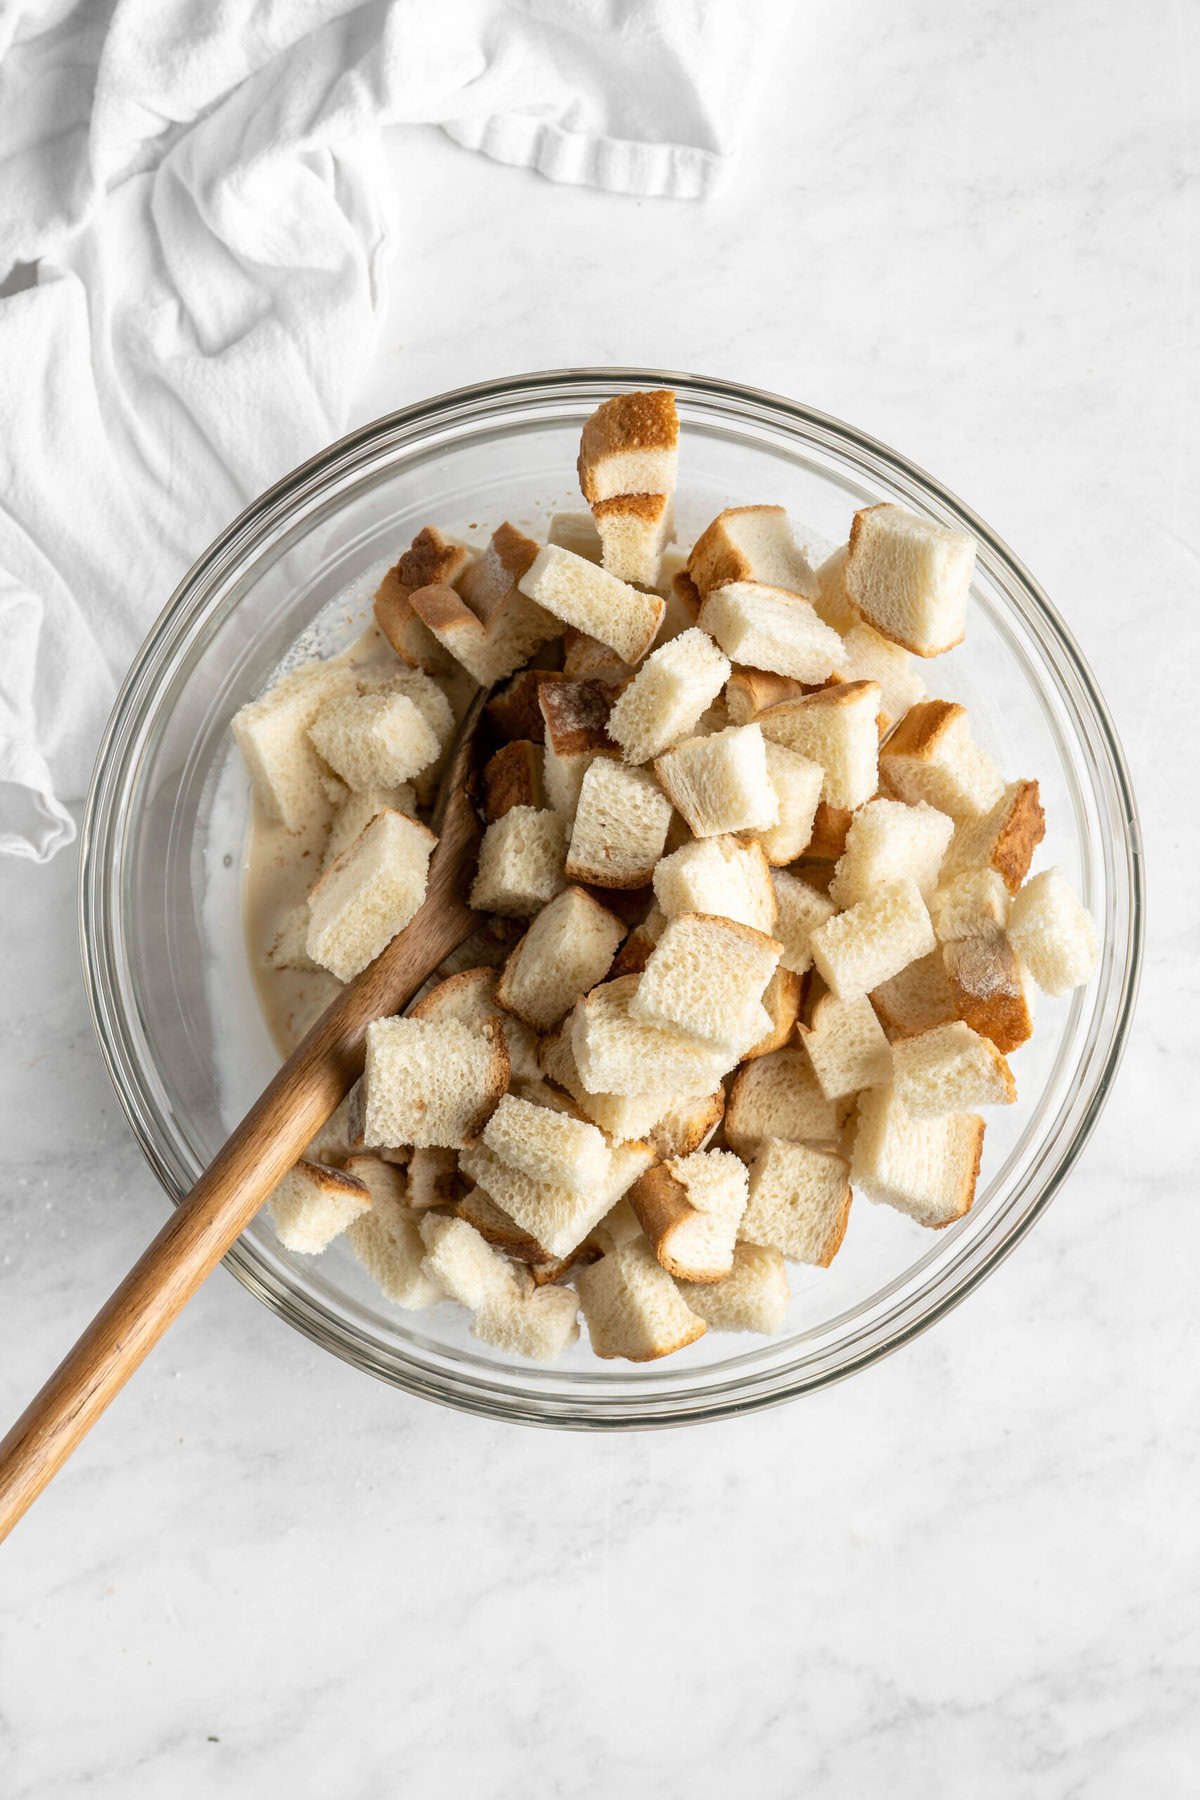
x: 662, y: 1206
x: 643, y: 421
x: 706, y: 1114
x: 514, y: 711
x: 575, y: 714
x: 430, y: 560
x: 783, y: 999
x: 649, y: 507
x: 586, y: 658
x: 1022, y: 831
x: 512, y: 777
x: 830, y: 826
x: 985, y: 981
x: 687, y: 593
x: 443, y: 609
x: 970, y: 1174
x: 837, y: 1226
x: 750, y: 692
x: 715, y: 558
x: 921, y: 729
x: 515, y: 550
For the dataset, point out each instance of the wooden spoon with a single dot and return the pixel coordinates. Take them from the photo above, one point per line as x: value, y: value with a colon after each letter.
x: 284, y: 1119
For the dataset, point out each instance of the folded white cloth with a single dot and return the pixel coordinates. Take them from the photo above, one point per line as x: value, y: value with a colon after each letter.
x: 200, y: 188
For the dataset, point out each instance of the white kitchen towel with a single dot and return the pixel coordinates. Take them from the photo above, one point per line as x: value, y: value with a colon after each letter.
x: 199, y: 184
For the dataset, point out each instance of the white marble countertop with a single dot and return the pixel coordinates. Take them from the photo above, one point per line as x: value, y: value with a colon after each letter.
x: 971, y: 1571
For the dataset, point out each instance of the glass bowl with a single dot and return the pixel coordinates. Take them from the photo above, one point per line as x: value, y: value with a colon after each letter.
x: 163, y: 945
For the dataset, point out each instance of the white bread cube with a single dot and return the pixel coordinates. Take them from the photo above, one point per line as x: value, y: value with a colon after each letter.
x: 633, y: 1308
x: 836, y: 727
x: 926, y: 1168
x: 686, y: 1126
x: 568, y: 949
x: 889, y: 840
x: 917, y: 998
x: 782, y: 1000
x: 356, y: 812
x: 630, y: 445
x: 800, y: 909
x: 909, y: 578
x: 720, y: 784
x: 313, y: 1204
x: 576, y: 532
x: 705, y: 978
x: 374, y: 740
x: 1005, y: 838
x: 869, y: 657
x: 289, y: 946
x: 972, y: 903
x: 797, y: 784
x: 768, y: 628
x: 690, y: 1209
x: 433, y: 1178
x: 464, y: 1265
x: 500, y: 1229
x: 489, y: 653
x: 634, y: 531
x: 799, y: 1201
x: 677, y: 682
x: 751, y: 543
x: 578, y: 593
x: 618, y: 1053
x: 831, y: 600
x: 537, y: 1322
x: 749, y: 692
x: 1053, y: 933
x: 472, y: 996
x: 272, y: 735
x: 549, y: 1146
x: 431, y: 1082
x: 620, y: 826
x: 754, y: 1296
x: 873, y: 940
x: 931, y: 756
x: 574, y: 718
x: 778, y: 1096
x: 369, y: 894
x: 557, y: 1217
x: 489, y: 583
x: 951, y: 1069
x: 726, y: 876
x: 427, y: 695
x: 846, y: 1046
x: 386, y: 1239
x: 520, y: 863
x: 991, y: 988
x: 622, y: 1118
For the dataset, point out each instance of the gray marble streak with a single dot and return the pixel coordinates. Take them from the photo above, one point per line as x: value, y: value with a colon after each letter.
x: 971, y: 1571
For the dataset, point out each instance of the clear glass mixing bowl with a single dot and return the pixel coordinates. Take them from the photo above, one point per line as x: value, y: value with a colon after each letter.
x: 164, y: 954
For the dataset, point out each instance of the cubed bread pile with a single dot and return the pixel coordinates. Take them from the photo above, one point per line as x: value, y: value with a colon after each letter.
x: 763, y: 931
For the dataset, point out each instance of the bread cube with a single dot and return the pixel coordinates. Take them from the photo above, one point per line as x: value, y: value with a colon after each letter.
x: 488, y: 652
x: 488, y: 585
x: 869, y: 657
x: 586, y: 658
x: 846, y: 1046
x: 671, y: 690
x: 972, y: 903
x: 831, y: 600
x: 990, y: 988
x: 272, y: 735
x: 1053, y: 933
x: 374, y: 740
x: 836, y: 727
x: 888, y: 840
x: 568, y: 949
x: 797, y: 784
x: 618, y: 1053
x: 433, y: 1178
x: 681, y: 595
x: 782, y: 1000
x: 686, y: 1126
x: 431, y: 1082
x: 472, y: 996
x: 633, y: 1308
x: 771, y: 629
x: 557, y: 1217
x: 951, y: 1069
x: 725, y: 876
x: 931, y: 756
x: 719, y: 784
x: 514, y: 710
x: 634, y: 531
x: 749, y: 692
x: 874, y: 939
x: 576, y: 532
x: 512, y: 776
x: 386, y: 1239
x: 751, y: 543
x: 1004, y: 839
x: 432, y: 558
x: 500, y: 1229
x: 464, y: 1265
x: 575, y: 716
x: 919, y: 997
x: 778, y: 1096
x: 800, y: 909
x: 630, y: 445
x: 705, y: 978
x: 926, y: 1168
x: 634, y: 953
x: 690, y: 1209
x: 754, y: 1296
x: 537, y: 1322
x: 356, y: 812
x: 546, y: 1145
x: 831, y: 828
x: 313, y: 1204
x: 620, y: 826
x: 799, y: 1201
x: 623, y: 1118
x: 582, y: 595
x: 909, y: 578
x: 369, y: 894
x: 289, y: 946
x: 521, y: 862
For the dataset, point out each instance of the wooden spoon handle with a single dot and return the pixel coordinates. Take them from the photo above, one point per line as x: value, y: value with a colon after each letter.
x: 286, y: 1117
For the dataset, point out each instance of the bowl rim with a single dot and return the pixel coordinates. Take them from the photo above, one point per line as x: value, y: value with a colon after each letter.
x: 485, y: 1397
